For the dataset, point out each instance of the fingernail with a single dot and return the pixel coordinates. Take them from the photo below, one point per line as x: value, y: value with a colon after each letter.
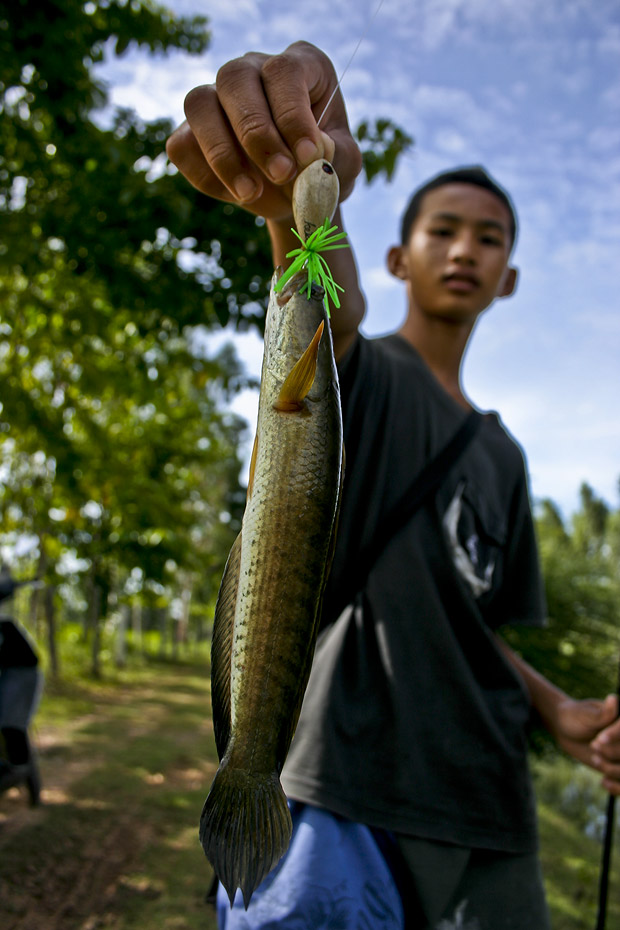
x: 596, y: 761
x: 306, y: 152
x: 244, y: 187
x: 280, y: 168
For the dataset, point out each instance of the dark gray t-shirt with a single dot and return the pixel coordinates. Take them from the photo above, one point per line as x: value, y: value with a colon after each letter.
x: 413, y: 720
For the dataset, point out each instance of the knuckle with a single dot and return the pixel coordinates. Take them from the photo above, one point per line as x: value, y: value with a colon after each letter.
x: 276, y: 66
x: 287, y: 114
x: 198, y: 99
x: 302, y: 47
x: 219, y: 157
x: 231, y: 74
x: 314, y: 56
x: 252, y: 126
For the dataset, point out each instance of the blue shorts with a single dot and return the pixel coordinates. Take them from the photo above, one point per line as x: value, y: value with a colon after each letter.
x: 333, y: 875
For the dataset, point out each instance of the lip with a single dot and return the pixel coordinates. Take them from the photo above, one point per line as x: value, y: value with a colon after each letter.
x: 461, y: 282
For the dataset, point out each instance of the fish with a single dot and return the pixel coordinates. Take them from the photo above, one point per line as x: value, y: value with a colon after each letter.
x: 269, y: 603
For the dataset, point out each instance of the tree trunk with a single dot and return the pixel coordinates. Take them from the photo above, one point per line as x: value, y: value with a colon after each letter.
x: 162, y: 631
x: 120, y: 645
x: 183, y: 620
x: 94, y: 619
x: 136, y: 626
x: 35, y: 595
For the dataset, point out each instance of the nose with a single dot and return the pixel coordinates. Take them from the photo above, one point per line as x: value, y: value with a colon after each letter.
x: 463, y: 248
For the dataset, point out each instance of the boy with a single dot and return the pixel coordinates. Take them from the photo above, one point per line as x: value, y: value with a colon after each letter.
x: 411, y: 749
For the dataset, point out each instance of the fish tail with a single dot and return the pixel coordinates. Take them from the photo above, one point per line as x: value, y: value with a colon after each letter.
x: 245, y: 828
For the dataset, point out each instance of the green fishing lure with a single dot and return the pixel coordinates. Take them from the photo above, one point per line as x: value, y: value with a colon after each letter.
x: 309, y: 257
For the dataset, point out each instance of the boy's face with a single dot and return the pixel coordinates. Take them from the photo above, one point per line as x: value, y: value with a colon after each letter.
x: 456, y: 260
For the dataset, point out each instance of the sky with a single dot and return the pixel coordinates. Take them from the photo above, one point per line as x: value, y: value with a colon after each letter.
x: 531, y: 91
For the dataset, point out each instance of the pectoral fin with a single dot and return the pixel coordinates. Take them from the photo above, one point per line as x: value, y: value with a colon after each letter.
x: 301, y: 377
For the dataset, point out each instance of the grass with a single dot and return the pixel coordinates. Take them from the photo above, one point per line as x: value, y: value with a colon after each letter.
x: 571, y: 811
x: 127, y: 763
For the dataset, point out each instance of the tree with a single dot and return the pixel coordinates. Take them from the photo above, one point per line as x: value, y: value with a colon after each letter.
x: 115, y: 444
x: 579, y: 648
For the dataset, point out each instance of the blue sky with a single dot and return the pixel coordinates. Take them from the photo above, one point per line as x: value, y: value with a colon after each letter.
x: 531, y: 90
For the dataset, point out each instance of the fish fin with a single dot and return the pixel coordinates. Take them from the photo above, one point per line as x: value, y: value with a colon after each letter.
x: 245, y: 828
x: 252, y: 466
x: 221, y: 648
x: 301, y: 377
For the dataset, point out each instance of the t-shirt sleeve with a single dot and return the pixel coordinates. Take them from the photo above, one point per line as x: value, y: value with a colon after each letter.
x: 521, y: 597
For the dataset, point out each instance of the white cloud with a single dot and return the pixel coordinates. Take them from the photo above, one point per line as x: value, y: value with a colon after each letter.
x: 451, y: 142
x: 381, y: 279
x: 605, y: 139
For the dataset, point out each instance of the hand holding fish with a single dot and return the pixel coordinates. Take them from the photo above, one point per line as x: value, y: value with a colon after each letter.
x: 247, y: 136
x: 269, y: 602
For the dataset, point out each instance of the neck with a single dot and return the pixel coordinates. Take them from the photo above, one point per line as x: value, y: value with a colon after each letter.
x: 441, y: 343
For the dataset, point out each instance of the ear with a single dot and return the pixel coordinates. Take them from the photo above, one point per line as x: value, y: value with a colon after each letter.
x: 510, y: 283
x: 397, y: 263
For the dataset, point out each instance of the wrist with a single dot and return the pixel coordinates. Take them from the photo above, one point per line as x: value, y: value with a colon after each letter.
x: 556, y: 712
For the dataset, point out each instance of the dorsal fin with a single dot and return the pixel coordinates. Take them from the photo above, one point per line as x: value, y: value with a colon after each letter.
x: 301, y: 377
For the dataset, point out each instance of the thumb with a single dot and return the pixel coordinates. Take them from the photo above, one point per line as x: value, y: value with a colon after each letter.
x: 609, y: 709
x: 605, y: 713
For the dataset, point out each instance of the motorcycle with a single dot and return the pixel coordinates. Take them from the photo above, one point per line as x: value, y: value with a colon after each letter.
x: 20, y: 688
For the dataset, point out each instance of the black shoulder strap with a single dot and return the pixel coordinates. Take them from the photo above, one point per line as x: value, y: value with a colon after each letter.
x: 423, y: 484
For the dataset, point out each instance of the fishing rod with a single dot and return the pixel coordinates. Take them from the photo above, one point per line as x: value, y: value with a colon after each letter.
x: 603, y: 888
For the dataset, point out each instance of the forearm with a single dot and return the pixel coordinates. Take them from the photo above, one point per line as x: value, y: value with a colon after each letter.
x: 546, y: 698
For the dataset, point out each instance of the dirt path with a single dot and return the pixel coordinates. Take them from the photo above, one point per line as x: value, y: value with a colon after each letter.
x: 113, y: 843
x: 80, y: 873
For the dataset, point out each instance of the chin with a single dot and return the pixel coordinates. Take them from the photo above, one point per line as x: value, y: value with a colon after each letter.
x: 459, y: 316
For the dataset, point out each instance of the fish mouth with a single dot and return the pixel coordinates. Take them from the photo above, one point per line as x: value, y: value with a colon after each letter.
x: 296, y: 284
x: 292, y: 286
x: 462, y: 282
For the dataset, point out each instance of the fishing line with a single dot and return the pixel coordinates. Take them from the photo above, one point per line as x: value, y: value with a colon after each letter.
x: 346, y: 68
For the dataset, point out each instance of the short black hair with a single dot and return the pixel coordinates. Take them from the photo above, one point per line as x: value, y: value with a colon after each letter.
x: 474, y: 174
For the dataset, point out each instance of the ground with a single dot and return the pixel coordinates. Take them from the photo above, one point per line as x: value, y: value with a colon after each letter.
x: 126, y: 765
x: 114, y: 843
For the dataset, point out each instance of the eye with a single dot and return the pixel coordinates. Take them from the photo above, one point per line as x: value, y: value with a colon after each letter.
x: 441, y: 231
x: 488, y: 239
